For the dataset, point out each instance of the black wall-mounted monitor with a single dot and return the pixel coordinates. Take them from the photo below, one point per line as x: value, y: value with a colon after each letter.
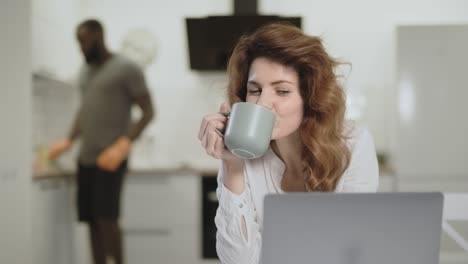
x: 211, y: 39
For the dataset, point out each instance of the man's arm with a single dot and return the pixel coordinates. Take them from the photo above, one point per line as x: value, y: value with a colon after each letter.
x: 146, y: 106
x: 111, y: 157
x: 63, y: 145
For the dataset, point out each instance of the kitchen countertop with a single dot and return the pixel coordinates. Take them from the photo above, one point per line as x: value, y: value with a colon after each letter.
x: 69, y: 172
x: 184, y: 170
x: 50, y: 170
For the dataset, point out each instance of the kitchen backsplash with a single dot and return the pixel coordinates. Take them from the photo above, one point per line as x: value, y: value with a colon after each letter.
x: 54, y: 105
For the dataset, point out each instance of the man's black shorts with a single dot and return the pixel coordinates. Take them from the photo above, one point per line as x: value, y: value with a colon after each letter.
x: 99, y: 191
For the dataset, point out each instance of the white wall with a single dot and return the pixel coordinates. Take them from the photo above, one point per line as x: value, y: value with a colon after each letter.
x: 15, y: 143
x: 361, y: 32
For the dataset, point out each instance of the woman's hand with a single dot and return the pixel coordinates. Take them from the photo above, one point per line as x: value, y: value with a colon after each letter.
x: 212, y: 140
x: 211, y: 134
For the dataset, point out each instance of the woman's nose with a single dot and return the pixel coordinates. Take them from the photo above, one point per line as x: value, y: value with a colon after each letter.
x: 265, y: 100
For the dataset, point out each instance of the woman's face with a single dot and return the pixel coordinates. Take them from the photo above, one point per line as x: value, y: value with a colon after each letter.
x: 276, y: 87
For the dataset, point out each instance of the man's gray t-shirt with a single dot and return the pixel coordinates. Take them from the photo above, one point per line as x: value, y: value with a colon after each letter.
x: 107, y: 91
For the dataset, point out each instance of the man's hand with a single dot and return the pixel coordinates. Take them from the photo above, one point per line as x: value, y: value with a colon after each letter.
x: 59, y: 147
x: 111, y: 158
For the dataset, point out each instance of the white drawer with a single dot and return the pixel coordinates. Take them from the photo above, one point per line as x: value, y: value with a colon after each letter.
x: 160, y: 201
x: 162, y: 246
x: 149, y: 247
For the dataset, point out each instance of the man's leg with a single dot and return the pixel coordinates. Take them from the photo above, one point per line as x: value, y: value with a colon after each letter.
x: 107, y: 208
x: 86, y: 184
x: 112, y: 239
x: 97, y: 243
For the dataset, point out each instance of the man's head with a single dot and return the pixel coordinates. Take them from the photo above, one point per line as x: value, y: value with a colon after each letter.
x: 90, y: 36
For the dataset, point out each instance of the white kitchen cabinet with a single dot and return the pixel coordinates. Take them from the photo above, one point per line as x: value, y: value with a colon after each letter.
x: 431, y: 124
x: 54, y: 49
x: 161, y: 218
x: 53, y: 221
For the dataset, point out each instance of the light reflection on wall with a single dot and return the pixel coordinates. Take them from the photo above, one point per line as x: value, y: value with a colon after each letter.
x: 356, y: 103
x: 355, y: 106
x: 406, y: 101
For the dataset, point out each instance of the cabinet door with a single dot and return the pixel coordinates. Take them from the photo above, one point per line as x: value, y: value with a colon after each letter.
x: 161, y: 218
x: 431, y: 108
x: 149, y: 247
x: 53, y: 221
x: 143, y: 205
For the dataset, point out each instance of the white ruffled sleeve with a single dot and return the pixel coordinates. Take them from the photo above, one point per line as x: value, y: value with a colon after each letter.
x: 231, y: 244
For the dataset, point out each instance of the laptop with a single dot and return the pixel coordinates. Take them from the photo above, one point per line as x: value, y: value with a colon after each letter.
x: 352, y: 228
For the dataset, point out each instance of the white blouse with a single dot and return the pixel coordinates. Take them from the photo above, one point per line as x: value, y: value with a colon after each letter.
x: 263, y: 176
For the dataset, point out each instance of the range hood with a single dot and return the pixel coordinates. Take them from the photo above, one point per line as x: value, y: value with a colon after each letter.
x: 211, y: 38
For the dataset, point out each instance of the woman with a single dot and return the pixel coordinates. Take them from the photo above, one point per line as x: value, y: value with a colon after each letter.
x: 313, y: 148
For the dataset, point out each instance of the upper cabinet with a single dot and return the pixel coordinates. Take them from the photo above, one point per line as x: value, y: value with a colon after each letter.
x: 432, y: 91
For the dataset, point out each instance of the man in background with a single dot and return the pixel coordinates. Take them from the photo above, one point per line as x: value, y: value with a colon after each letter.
x: 110, y: 84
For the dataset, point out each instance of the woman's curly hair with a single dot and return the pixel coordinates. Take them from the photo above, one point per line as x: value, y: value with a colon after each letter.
x: 325, y: 154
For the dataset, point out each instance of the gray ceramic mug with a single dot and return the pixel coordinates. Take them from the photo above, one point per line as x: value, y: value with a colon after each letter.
x: 248, y: 131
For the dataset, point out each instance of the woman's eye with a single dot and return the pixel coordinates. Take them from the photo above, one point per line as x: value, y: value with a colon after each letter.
x: 282, y: 92
x: 254, y: 91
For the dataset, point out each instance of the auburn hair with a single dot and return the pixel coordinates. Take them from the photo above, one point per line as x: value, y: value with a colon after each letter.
x: 325, y: 153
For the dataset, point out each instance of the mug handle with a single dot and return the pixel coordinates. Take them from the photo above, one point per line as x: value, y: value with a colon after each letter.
x: 226, y: 114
